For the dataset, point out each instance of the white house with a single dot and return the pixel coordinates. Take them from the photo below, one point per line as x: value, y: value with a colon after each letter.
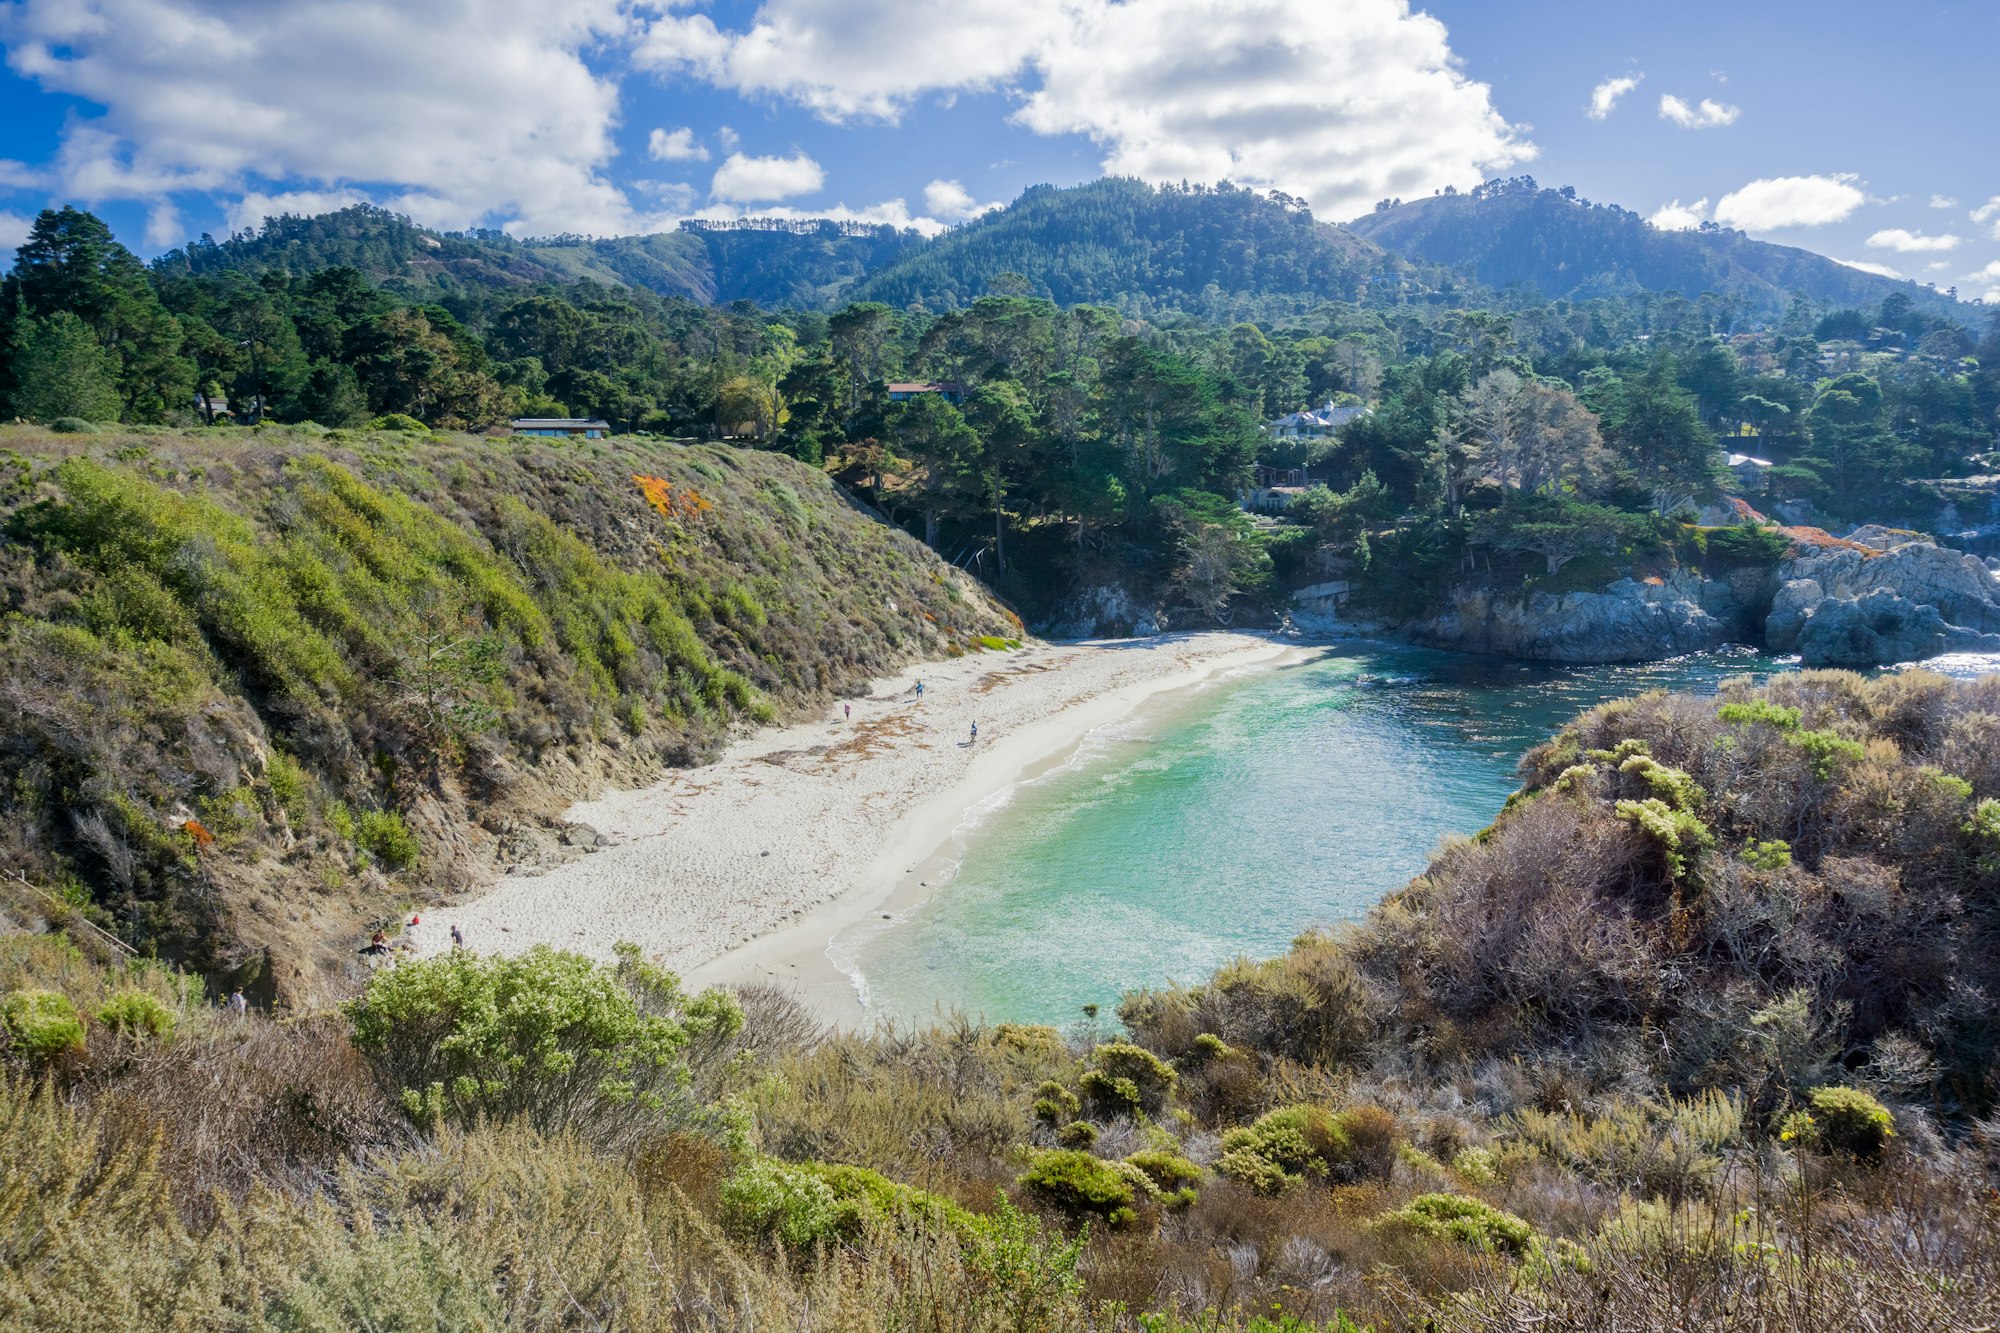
x: 1314, y: 422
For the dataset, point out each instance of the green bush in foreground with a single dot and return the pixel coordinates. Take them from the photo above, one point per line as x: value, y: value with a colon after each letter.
x: 1283, y: 1147
x: 1126, y: 1080
x: 550, y: 1037
x: 1455, y: 1217
x: 1842, y: 1120
x: 134, y: 1013
x: 1083, y: 1186
x: 41, y: 1023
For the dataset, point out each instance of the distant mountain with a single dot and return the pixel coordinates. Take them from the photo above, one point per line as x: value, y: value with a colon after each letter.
x: 773, y: 264
x: 1512, y: 232
x: 1119, y: 241
x: 1219, y: 251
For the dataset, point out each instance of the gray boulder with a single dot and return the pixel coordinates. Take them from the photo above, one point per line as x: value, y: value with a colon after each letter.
x: 1856, y: 608
x: 1626, y: 622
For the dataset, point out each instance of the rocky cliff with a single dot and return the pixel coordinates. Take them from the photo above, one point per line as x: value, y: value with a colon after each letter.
x: 1876, y: 597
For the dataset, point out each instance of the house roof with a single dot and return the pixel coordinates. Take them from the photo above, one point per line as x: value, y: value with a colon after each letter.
x: 926, y: 386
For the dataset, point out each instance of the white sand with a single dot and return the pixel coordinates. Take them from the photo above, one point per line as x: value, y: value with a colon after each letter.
x: 743, y: 870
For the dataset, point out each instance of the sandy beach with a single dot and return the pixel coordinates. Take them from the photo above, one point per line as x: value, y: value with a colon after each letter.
x: 745, y: 869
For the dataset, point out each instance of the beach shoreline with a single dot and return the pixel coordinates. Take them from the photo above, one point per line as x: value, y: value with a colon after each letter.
x: 744, y: 871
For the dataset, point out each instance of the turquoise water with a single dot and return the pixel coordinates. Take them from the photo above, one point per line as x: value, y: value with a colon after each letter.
x: 1225, y: 822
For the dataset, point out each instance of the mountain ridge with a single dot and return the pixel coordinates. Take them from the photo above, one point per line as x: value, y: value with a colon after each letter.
x: 1214, y: 250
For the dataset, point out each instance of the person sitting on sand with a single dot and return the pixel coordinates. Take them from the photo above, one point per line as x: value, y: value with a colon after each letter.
x: 378, y: 944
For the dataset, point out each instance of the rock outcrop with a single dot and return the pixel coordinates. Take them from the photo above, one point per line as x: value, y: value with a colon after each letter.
x: 1852, y: 607
x: 1626, y: 622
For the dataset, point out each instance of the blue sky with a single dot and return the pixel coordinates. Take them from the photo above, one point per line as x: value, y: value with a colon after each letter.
x: 1861, y: 130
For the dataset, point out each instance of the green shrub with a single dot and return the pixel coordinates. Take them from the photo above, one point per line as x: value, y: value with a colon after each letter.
x: 1746, y: 544
x: 73, y: 426
x: 1758, y: 711
x: 288, y: 785
x: 135, y: 1013
x: 1842, y: 1120
x: 399, y: 421
x: 1126, y: 1080
x: 1055, y: 1104
x: 1773, y: 855
x: 1680, y: 835
x: 1826, y: 751
x: 40, y: 1023
x: 772, y: 1200
x: 1173, y: 1175
x: 549, y: 1037
x: 384, y: 836
x: 1454, y: 1217
x: 1077, y: 1134
x: 1082, y: 1186
x: 1282, y: 1147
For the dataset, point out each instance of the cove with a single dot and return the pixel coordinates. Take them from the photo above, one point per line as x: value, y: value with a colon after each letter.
x: 1224, y: 822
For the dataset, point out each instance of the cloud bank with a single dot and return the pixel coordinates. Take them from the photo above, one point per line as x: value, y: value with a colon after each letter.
x: 1790, y: 201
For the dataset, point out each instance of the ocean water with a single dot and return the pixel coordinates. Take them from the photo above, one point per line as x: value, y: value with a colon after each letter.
x: 1225, y: 821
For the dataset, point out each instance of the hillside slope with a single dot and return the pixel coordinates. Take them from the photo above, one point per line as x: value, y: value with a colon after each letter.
x: 265, y: 688
x: 805, y: 265
x: 1121, y: 241
x: 1510, y: 232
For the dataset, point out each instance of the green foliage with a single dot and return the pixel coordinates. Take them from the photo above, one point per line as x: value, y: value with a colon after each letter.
x: 1842, y: 1120
x: 1174, y: 1177
x: 384, y: 836
x: 1771, y: 854
x: 1465, y: 1221
x: 1054, y: 1103
x: 549, y: 1037
x: 1127, y: 1080
x: 772, y: 1200
x: 1826, y: 751
x: 1681, y: 835
x: 1746, y: 545
x: 41, y: 1024
x: 1760, y: 712
x: 1285, y: 1147
x: 1082, y: 1186
x: 137, y: 1013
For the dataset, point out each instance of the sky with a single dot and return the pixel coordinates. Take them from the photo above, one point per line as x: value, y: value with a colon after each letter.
x: 1862, y: 130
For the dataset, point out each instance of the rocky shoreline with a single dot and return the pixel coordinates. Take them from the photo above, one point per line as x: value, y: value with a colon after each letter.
x: 1875, y: 597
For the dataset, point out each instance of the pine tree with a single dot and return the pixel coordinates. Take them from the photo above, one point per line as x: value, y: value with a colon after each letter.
x: 61, y: 370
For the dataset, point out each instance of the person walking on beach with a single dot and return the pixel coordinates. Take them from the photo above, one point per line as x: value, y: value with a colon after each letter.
x: 237, y: 1004
x: 457, y: 940
x: 847, y: 711
x: 975, y: 733
x: 920, y: 689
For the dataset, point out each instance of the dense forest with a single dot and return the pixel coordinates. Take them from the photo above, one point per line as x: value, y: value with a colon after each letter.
x: 1080, y: 446
x: 1511, y: 234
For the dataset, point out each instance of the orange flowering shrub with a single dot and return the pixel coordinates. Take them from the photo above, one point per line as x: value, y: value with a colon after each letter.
x: 203, y: 839
x: 676, y: 504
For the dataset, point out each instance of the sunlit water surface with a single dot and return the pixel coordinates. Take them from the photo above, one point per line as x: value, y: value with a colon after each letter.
x: 1224, y: 822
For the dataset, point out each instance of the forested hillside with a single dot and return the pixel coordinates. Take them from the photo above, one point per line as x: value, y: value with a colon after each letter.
x: 803, y: 265
x: 255, y: 680
x: 1555, y: 445
x: 1207, y: 250
x: 1511, y: 232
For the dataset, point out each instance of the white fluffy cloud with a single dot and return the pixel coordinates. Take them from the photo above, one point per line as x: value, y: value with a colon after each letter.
x: 1910, y: 242
x: 1680, y: 217
x: 749, y: 180
x: 1342, y: 102
x: 1790, y: 201
x: 954, y: 203
x: 1879, y: 270
x: 13, y: 231
x: 254, y: 207
x: 1943, y: 201
x: 858, y: 59
x: 1989, y: 212
x: 1707, y: 114
x: 420, y: 106
x: 675, y: 146
x: 1604, y: 97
